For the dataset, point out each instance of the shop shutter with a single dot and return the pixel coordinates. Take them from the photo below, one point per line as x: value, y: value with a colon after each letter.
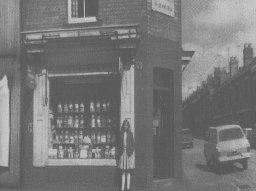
x: 4, y: 122
x: 40, y: 136
x: 127, y: 99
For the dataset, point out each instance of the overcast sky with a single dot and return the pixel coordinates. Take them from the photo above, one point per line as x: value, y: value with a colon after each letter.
x: 215, y: 29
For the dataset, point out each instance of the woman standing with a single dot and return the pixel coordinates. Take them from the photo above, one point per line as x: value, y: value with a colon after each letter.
x: 126, y: 162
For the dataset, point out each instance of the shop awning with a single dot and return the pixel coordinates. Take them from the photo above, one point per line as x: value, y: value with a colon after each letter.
x: 126, y: 36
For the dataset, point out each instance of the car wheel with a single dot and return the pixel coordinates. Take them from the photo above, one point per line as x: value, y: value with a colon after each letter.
x: 245, y: 163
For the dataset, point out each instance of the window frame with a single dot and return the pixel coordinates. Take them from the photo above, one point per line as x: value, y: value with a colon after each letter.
x: 79, y: 20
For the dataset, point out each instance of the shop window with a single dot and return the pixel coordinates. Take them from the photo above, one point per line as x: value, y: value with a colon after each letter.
x: 4, y: 122
x: 80, y: 11
x: 84, y: 121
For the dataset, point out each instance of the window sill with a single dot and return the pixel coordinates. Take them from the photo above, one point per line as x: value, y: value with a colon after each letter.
x: 82, y: 20
x: 81, y: 162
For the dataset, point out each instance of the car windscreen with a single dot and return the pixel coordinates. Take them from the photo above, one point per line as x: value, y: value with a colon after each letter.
x: 230, y: 134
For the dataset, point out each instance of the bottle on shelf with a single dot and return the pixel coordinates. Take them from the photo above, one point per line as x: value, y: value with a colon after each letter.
x: 76, y: 122
x: 57, y: 138
x: 70, y: 107
x: 76, y: 138
x: 93, y: 122
x: 103, y: 138
x: 76, y: 153
x: 65, y: 121
x: 81, y: 107
x: 108, y: 137
x: 104, y: 105
x: 109, y: 121
x: 98, y: 121
x: 92, y: 107
x: 98, y: 138
x: 76, y: 109
x: 60, y: 152
x: 66, y: 137
x: 65, y: 107
x: 80, y: 137
x: 93, y: 138
x: 65, y: 153
x: 70, y: 153
x: 71, y: 138
x: 108, y: 106
x: 89, y: 153
x: 62, y: 137
x: 81, y: 125
x: 98, y: 109
x: 87, y: 140
x: 70, y: 121
x: 59, y: 122
x: 107, y: 152
x: 60, y: 109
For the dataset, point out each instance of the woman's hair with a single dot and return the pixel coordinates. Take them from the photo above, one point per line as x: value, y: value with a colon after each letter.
x: 126, y: 122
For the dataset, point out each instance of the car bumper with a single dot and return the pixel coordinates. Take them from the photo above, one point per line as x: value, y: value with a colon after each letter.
x: 234, y: 158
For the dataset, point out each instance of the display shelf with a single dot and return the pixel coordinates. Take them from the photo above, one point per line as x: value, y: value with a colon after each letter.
x: 81, y: 162
x: 111, y: 128
x: 94, y: 145
x: 109, y: 112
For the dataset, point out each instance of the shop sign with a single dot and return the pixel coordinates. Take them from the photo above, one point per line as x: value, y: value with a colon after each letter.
x: 164, y: 6
x: 31, y: 77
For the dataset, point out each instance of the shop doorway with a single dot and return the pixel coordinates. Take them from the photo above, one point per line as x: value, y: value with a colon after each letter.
x: 162, y: 124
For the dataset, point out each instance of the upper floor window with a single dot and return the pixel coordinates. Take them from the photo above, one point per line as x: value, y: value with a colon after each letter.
x: 80, y: 11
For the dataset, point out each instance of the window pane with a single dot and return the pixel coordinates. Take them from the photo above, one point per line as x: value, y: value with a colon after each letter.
x: 74, y: 8
x: 91, y: 8
x: 84, y: 118
x: 80, y: 8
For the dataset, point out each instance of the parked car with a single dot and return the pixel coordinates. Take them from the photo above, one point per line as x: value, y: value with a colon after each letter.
x: 226, y: 144
x: 187, y: 138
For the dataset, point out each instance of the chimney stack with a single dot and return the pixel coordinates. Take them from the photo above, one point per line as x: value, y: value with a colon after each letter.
x: 247, y: 54
x: 233, y: 66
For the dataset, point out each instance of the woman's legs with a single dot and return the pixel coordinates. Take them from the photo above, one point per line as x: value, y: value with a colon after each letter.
x: 123, y: 180
x: 128, y: 174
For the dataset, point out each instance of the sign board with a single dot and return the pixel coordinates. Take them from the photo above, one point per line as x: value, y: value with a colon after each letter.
x: 164, y: 6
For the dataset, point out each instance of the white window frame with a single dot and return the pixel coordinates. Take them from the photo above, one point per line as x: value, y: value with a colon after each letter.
x: 79, y: 20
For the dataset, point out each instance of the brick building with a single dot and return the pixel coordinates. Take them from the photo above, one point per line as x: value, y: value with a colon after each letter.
x: 85, y: 66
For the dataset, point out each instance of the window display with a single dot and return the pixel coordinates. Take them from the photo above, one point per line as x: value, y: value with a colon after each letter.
x: 83, y: 120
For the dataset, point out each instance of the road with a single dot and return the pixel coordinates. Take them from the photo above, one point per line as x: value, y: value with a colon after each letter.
x: 231, y: 178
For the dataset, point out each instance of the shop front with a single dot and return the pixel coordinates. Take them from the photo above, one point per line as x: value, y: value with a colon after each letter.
x: 80, y: 89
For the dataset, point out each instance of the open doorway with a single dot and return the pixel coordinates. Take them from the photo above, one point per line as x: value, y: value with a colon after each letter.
x: 163, y: 124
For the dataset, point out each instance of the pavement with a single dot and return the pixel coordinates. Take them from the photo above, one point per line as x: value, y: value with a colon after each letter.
x: 159, y: 185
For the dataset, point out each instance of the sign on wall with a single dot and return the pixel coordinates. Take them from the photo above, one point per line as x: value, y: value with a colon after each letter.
x: 164, y: 6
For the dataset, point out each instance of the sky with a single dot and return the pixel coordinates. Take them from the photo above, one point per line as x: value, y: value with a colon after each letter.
x: 216, y: 30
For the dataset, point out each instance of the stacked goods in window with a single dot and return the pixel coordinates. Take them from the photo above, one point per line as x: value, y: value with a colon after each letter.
x: 84, y: 129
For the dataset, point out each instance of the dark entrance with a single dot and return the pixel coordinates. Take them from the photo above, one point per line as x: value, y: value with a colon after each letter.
x: 163, y: 123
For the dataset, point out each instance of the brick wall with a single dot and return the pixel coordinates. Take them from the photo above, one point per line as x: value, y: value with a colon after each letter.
x: 9, y: 27
x: 48, y: 14
x: 165, y: 26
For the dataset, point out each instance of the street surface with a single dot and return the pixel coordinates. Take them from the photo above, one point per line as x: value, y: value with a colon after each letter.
x: 231, y: 177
